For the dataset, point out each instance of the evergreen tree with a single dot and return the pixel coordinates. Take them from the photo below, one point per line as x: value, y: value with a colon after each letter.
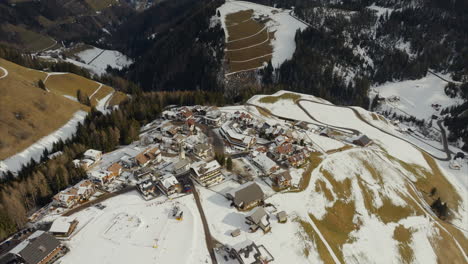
x: 229, y: 164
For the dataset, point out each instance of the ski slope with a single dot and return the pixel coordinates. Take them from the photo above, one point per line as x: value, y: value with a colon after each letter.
x: 131, y: 230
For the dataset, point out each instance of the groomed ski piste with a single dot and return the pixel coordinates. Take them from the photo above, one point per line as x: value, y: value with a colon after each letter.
x: 131, y: 230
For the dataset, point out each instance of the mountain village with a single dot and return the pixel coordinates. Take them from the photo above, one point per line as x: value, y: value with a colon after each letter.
x: 288, y: 177
x: 184, y: 151
x: 242, y: 156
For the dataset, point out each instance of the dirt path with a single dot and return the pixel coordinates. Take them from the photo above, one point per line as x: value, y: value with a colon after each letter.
x: 253, y: 35
x: 99, y: 88
x: 5, y: 73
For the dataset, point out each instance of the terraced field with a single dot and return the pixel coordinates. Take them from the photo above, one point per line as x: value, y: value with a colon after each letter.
x: 248, y: 44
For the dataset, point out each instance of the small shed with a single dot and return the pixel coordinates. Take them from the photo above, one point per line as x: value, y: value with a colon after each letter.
x: 236, y: 233
x: 282, y: 217
x: 362, y: 141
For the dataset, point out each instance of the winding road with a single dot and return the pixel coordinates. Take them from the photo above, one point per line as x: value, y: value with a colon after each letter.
x: 358, y: 115
x: 357, y: 132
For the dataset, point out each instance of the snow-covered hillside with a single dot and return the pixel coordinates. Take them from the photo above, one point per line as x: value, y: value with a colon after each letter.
x: 92, y: 58
x: 368, y: 205
x: 420, y: 98
x: 98, y: 59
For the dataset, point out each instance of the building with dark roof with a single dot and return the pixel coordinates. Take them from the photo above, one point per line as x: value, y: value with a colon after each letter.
x: 259, y: 218
x: 38, y: 248
x: 246, y: 196
x: 248, y: 252
x: 362, y: 141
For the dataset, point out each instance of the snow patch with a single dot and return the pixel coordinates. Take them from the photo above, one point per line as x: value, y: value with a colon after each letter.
x: 34, y: 151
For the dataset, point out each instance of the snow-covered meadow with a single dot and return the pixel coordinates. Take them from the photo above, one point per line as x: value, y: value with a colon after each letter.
x: 98, y: 59
x: 132, y: 230
x: 416, y: 97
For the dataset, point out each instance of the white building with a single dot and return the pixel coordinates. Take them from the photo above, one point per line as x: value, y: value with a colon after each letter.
x: 93, y: 154
x: 234, y: 135
x: 168, y: 184
x: 264, y: 163
x: 207, y: 173
x: 101, y: 177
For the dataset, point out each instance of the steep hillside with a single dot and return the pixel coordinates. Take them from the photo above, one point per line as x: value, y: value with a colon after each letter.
x: 35, y: 26
x: 176, y: 46
x: 371, y: 204
x: 30, y: 113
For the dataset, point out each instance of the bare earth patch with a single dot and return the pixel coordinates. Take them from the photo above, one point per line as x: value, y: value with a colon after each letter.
x: 249, y: 43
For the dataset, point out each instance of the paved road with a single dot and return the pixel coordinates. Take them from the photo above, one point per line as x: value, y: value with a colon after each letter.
x: 356, y: 132
x: 316, y: 122
x: 350, y: 130
x: 358, y: 115
x: 209, y: 239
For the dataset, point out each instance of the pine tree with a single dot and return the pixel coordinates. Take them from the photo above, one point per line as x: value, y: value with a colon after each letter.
x: 229, y: 164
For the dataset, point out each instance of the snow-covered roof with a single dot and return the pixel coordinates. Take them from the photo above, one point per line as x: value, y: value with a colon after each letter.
x: 92, y: 153
x: 88, y: 162
x: 264, y: 161
x: 181, y: 164
x: 98, y: 174
x: 169, y: 180
x: 235, y: 133
x: 202, y: 167
x: 61, y: 225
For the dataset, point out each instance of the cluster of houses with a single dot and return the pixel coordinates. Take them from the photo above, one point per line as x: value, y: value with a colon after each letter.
x: 90, y: 157
x: 74, y: 195
x: 39, y: 247
x: 171, y: 155
x: 174, y: 177
x: 248, y: 252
